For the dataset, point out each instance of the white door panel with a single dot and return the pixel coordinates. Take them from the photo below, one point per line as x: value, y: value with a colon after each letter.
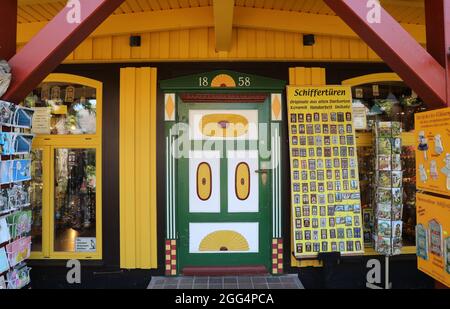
x: 243, y: 184
x: 204, y: 182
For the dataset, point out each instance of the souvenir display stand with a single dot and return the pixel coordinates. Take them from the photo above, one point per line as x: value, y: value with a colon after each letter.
x: 326, y: 204
x: 15, y: 212
x: 388, y: 183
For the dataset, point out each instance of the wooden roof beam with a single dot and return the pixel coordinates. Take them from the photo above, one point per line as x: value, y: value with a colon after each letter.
x: 437, y: 15
x: 250, y: 18
x: 54, y: 43
x: 8, y: 28
x: 223, y: 24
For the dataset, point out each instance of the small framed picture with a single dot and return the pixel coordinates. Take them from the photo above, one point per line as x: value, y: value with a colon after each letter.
x: 332, y: 233
x: 293, y: 118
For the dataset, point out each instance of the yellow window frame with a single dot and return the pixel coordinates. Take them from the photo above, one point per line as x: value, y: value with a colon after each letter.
x: 365, y: 139
x: 48, y: 143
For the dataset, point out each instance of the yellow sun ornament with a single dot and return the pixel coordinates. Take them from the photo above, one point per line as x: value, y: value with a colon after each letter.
x: 222, y: 241
x: 223, y: 80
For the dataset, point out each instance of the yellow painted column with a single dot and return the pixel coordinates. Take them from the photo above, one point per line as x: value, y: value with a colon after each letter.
x: 138, y: 221
x: 300, y: 76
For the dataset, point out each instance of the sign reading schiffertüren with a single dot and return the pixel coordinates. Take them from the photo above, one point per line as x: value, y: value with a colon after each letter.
x: 433, y: 151
x: 432, y: 237
x: 326, y: 205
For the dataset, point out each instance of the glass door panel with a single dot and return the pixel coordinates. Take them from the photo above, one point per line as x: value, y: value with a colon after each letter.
x: 74, y: 198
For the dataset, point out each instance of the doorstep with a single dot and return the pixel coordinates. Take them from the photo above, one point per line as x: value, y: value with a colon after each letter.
x: 290, y: 281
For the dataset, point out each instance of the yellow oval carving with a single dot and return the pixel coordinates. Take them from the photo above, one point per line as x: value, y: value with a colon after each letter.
x: 224, y: 241
x: 242, y: 179
x: 204, y: 181
x: 224, y: 125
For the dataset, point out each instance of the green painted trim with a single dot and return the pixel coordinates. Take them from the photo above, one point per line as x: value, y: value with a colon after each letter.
x: 184, y: 217
x: 243, y: 81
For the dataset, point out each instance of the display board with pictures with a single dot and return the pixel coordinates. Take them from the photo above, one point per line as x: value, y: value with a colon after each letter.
x: 15, y: 213
x: 325, y: 197
x: 388, y: 200
x: 432, y: 233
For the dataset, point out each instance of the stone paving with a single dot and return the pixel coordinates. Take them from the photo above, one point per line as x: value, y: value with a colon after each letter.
x: 229, y: 282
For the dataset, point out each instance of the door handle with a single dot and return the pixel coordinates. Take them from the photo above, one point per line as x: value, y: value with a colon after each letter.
x: 262, y: 171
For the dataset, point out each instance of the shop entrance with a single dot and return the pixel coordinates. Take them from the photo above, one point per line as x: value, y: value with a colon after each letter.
x: 223, y: 189
x: 227, y: 210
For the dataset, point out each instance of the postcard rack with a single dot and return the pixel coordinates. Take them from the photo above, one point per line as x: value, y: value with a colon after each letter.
x: 15, y: 211
x: 388, y: 188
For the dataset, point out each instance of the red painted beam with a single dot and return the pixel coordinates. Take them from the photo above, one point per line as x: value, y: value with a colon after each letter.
x: 397, y: 48
x: 8, y: 28
x: 54, y: 43
x: 437, y: 15
x: 434, y: 15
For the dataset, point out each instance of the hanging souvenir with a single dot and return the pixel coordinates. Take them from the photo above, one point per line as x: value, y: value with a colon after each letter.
x: 2, y: 283
x: 55, y: 93
x: 376, y: 90
x: 422, y: 241
x: 5, y: 113
x: 70, y: 94
x: 5, y: 77
x: 4, y: 264
x: 45, y: 92
x: 18, y: 277
x: 18, y: 250
x: 435, y: 237
x: 4, y: 231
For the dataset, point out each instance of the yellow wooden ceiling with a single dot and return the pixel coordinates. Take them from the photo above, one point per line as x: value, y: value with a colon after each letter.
x: 405, y: 11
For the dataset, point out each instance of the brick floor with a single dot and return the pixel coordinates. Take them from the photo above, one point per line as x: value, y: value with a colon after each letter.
x: 231, y: 282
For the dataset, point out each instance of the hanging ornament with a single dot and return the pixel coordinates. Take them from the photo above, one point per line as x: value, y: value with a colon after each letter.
x: 56, y: 93
x: 70, y: 94
x: 45, y: 92
x: 5, y: 76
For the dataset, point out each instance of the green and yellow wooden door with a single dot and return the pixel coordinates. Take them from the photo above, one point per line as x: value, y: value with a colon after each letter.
x: 223, y: 170
x: 223, y: 185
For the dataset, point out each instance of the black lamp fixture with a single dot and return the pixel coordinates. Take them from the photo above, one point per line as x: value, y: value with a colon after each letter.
x: 309, y: 39
x: 135, y: 41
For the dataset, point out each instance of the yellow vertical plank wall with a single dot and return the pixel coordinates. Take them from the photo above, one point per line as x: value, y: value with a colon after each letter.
x: 199, y: 44
x: 305, y: 77
x: 138, y: 222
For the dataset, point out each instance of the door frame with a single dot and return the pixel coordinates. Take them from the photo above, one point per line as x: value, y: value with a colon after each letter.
x: 228, y: 87
x: 184, y: 217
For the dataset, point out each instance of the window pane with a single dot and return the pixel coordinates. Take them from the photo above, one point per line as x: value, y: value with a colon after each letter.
x: 62, y: 108
x: 36, y: 186
x: 75, y: 200
x: 392, y: 101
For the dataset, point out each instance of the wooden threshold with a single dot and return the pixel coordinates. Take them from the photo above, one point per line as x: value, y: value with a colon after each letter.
x: 224, y: 270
